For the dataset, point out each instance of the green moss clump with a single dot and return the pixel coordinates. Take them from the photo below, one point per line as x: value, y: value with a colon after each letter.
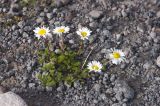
x: 62, y: 67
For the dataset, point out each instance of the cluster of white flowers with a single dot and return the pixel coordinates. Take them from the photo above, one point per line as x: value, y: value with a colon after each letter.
x: 116, y: 56
x: 44, y: 32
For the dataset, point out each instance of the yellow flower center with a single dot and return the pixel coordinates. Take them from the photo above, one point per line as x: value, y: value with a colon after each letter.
x: 95, y: 67
x: 42, y: 32
x: 116, y: 55
x: 84, y: 34
x: 61, y: 30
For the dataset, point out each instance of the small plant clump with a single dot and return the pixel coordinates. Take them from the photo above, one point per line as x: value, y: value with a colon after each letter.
x: 62, y: 67
x: 66, y: 66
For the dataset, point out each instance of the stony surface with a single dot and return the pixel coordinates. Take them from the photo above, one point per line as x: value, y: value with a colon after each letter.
x: 130, y: 25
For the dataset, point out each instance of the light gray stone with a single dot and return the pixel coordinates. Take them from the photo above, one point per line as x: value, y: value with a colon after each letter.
x: 121, y: 87
x: 147, y: 65
x: 158, y: 14
x: 140, y: 28
x: 2, y: 90
x: 158, y: 61
x: 124, y: 14
x: 49, y: 15
x: 11, y: 99
x: 119, y: 96
x: 95, y: 14
x: 152, y: 34
x: 14, y: 9
x: 39, y: 20
x: 96, y: 87
x: 60, y: 3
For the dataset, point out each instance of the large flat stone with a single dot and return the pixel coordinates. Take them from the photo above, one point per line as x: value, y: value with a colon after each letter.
x: 11, y: 99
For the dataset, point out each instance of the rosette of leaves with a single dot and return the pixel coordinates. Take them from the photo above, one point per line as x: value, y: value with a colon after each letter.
x: 62, y: 67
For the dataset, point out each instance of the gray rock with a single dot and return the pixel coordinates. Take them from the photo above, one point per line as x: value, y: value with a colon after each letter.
x: 42, y: 14
x: 97, y: 87
x: 109, y: 27
x: 103, y: 96
x: 104, y: 3
x: 60, y: 3
x: 158, y: 14
x: 109, y: 91
x: 147, y: 65
x: 123, y: 65
x: 95, y: 101
x: 158, y: 61
x: 116, y: 104
x: 3, y: 65
x: 93, y: 24
x: 2, y: 90
x: 96, y: 14
x: 65, y: 2
x: 124, y: 14
x: 59, y: 89
x: 39, y: 20
x: 14, y: 27
x: 57, y: 51
x: 4, y: 10
x: 31, y: 85
x: 113, y: 77
x: 14, y: 9
x: 154, y: 1
x: 51, y: 22
x: 71, y: 41
x: 124, y: 104
x: 104, y: 50
x: 119, y: 96
x: 106, y: 33
x: 152, y: 35
x: 49, y: 15
x: 11, y: 99
x: 49, y: 89
x: 118, y: 36
x: 122, y: 88
x: 140, y: 28
x: 76, y: 84
x: 25, y: 35
x: 21, y: 24
x: 27, y: 28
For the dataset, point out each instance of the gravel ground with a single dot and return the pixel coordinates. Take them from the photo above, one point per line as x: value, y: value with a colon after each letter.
x: 130, y: 25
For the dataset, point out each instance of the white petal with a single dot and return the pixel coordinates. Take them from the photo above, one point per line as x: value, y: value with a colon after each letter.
x: 114, y: 61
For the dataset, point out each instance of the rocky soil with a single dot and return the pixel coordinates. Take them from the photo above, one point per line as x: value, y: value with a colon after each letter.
x: 130, y: 25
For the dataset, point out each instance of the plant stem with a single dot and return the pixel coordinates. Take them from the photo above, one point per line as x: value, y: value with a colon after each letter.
x: 87, y: 57
x: 61, y: 43
x: 81, y: 47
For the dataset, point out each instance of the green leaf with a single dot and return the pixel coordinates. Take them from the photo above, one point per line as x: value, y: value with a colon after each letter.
x: 46, y: 51
x: 61, y: 58
x: 69, y: 79
x: 49, y: 78
x: 59, y: 77
x: 48, y: 66
x: 52, y: 72
x: 52, y: 56
x: 41, y: 60
x: 51, y: 83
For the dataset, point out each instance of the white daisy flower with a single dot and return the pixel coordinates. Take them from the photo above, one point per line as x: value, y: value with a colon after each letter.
x: 84, y: 33
x: 117, y: 56
x: 60, y: 30
x: 41, y: 32
x: 95, y: 66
